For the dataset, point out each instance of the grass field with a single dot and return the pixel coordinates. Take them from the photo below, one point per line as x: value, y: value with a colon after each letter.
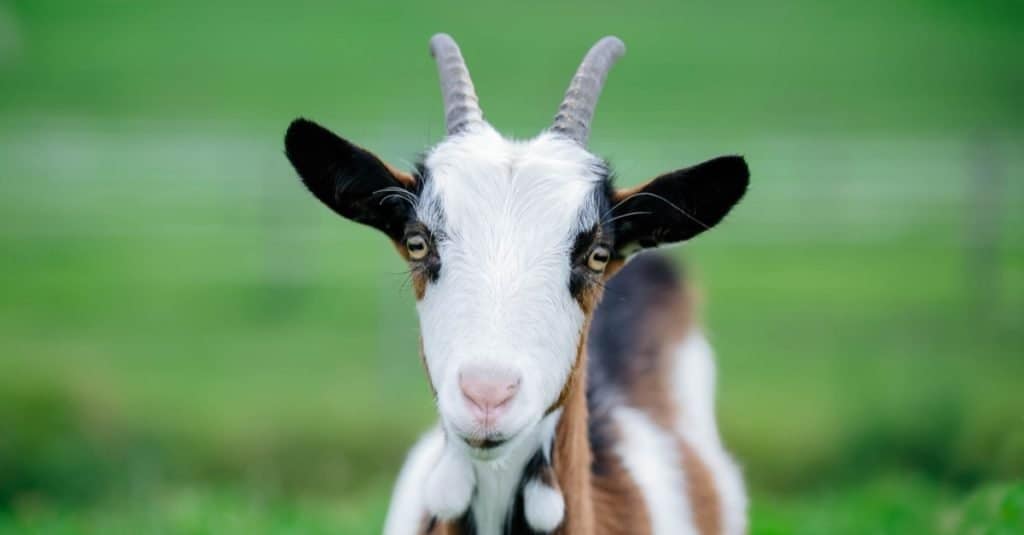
x: 190, y: 344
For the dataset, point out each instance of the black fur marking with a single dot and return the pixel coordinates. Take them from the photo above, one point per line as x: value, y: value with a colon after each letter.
x: 466, y: 524
x: 516, y: 522
x: 429, y: 266
x: 603, y: 233
x: 680, y: 205
x: 615, y: 346
x: 348, y: 179
x: 581, y: 276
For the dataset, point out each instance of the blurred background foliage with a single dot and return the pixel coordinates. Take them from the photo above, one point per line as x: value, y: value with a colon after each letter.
x: 189, y: 343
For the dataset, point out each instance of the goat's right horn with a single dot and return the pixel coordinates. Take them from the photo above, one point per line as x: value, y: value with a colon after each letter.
x: 577, y: 109
x: 461, y: 107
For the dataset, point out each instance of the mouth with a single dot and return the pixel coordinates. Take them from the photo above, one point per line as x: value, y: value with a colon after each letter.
x: 486, y: 443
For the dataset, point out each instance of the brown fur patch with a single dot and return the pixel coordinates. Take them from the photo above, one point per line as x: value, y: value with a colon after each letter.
x: 621, y: 506
x: 613, y: 267
x: 700, y: 489
x: 433, y: 526
x: 624, y: 193
x: 419, y: 284
x: 590, y: 297
x: 578, y: 373
x: 407, y: 180
x: 650, y: 388
x: 606, y: 504
x: 571, y: 455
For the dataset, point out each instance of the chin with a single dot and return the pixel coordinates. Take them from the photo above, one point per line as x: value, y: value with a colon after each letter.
x: 490, y: 449
x: 493, y: 443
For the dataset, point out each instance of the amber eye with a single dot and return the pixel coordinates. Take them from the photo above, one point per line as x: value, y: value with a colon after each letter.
x: 598, y: 259
x: 417, y: 247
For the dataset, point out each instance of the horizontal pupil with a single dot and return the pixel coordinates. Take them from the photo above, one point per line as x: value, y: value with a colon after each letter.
x: 600, y: 257
x: 416, y: 245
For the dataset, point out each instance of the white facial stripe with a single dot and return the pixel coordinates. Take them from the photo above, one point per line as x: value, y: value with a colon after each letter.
x: 506, y: 215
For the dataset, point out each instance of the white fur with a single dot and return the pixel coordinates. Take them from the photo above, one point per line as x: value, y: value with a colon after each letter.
x: 504, y: 215
x: 449, y: 486
x: 651, y: 458
x: 694, y: 379
x: 407, y: 504
x: 498, y: 476
x: 544, y: 506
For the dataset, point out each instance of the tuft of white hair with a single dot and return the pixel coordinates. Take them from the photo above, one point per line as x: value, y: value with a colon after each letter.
x: 449, y: 488
x: 544, y: 506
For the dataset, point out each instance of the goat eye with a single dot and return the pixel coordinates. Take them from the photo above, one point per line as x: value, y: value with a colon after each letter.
x: 598, y: 259
x: 417, y: 247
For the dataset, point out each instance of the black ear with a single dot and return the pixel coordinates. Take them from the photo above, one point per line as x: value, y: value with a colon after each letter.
x: 679, y: 205
x: 349, y: 180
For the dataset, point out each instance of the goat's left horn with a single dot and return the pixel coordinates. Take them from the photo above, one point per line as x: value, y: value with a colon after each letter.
x: 577, y: 109
x: 461, y: 107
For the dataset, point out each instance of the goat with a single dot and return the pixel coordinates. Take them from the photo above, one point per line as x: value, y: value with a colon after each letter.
x: 557, y: 414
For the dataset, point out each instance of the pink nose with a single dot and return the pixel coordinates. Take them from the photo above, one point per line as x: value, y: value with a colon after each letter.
x: 488, y: 393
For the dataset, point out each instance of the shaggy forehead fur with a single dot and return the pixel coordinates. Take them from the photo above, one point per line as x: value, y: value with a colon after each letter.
x: 485, y: 186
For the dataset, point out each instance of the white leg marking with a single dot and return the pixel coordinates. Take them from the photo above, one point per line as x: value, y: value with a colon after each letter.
x: 651, y: 458
x: 543, y: 505
x: 695, y: 391
x: 407, y: 508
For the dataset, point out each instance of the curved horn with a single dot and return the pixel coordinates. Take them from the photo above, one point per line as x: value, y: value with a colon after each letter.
x: 461, y: 106
x: 577, y: 109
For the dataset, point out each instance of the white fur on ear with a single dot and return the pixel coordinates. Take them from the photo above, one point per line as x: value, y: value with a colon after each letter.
x: 449, y: 488
x: 544, y: 506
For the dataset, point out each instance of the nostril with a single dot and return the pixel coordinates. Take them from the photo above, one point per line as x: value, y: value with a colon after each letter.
x: 471, y: 400
x: 487, y: 392
x: 510, y: 392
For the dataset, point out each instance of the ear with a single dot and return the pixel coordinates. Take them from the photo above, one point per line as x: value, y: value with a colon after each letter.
x: 679, y: 205
x: 349, y: 180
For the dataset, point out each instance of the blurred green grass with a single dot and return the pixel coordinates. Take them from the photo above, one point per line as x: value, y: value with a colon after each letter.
x: 181, y: 323
x: 883, y: 507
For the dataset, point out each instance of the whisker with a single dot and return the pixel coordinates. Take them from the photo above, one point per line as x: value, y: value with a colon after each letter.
x: 673, y: 205
x: 625, y: 215
x: 618, y: 204
x: 406, y: 199
x: 396, y: 191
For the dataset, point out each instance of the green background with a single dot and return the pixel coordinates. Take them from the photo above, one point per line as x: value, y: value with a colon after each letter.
x: 189, y: 343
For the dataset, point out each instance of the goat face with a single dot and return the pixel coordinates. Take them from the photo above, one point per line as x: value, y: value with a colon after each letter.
x: 509, y: 243
x: 503, y: 315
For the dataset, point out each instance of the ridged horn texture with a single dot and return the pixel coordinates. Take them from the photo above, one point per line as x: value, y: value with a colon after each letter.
x: 577, y: 109
x: 461, y: 107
